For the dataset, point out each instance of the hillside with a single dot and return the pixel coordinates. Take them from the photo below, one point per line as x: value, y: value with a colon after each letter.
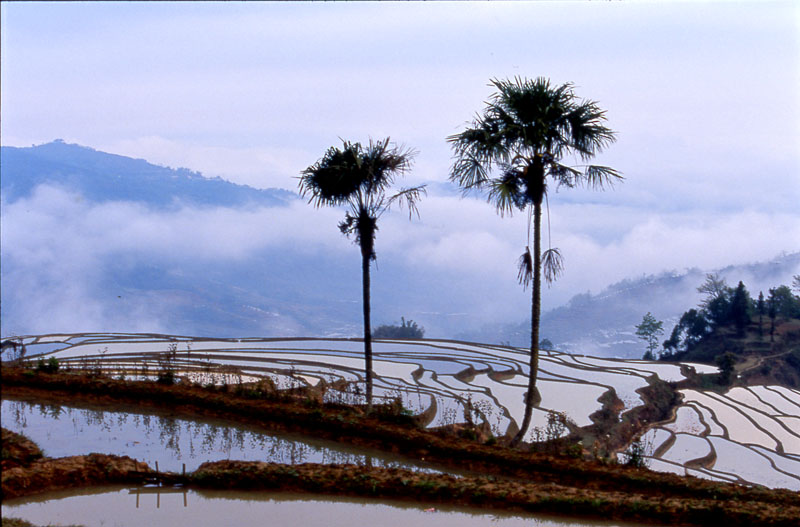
x: 100, y: 176
x: 758, y: 358
x: 604, y: 323
x: 753, y: 340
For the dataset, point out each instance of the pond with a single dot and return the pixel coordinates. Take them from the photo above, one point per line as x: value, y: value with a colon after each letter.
x: 152, y: 506
x: 172, y: 441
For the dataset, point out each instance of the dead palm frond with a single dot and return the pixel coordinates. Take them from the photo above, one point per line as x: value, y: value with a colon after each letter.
x: 525, y: 268
x: 552, y: 265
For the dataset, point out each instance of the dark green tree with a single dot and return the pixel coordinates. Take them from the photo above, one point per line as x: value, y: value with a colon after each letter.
x: 786, y: 304
x: 726, y: 363
x: 513, y: 151
x: 740, y: 308
x: 714, y: 288
x: 673, y: 343
x: 718, y: 310
x: 772, y: 312
x: 649, y: 331
x: 761, y: 309
x: 690, y: 329
x: 361, y: 177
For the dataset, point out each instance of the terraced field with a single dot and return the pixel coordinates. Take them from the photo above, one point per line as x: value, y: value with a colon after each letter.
x: 749, y: 435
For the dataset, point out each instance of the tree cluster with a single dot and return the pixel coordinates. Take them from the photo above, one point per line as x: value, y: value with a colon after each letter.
x: 729, y: 307
x: 408, y: 329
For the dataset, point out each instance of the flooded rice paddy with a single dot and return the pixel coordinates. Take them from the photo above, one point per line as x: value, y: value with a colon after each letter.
x: 148, y: 507
x: 746, y: 435
x: 151, y: 507
x: 749, y: 435
x: 174, y: 443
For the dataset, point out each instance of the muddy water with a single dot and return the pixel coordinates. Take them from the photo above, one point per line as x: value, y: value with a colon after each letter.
x: 172, y: 441
x: 146, y: 507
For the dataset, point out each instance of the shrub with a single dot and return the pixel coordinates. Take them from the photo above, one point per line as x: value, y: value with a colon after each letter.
x: 51, y: 366
x: 166, y: 377
x: 406, y: 330
x: 636, y: 454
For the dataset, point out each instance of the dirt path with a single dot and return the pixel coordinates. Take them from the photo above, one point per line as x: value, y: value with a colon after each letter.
x: 753, y: 362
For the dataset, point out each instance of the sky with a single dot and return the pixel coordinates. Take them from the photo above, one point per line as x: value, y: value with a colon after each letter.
x: 703, y: 96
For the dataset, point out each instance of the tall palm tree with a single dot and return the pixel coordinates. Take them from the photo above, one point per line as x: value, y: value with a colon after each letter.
x: 513, y: 150
x: 361, y: 177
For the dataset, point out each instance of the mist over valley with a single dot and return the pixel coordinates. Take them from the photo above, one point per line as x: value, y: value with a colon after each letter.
x: 94, y: 241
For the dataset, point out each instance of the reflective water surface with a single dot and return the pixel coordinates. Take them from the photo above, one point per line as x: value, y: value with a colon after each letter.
x: 172, y: 441
x: 150, y: 507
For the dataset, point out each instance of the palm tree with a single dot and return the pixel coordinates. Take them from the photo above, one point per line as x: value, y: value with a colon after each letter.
x: 360, y: 177
x: 513, y: 150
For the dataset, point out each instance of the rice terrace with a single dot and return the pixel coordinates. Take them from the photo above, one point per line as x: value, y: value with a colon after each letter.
x: 610, y: 413
x: 585, y: 212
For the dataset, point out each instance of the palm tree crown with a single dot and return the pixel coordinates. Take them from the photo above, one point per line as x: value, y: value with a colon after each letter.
x: 360, y: 177
x: 512, y: 150
x: 526, y: 129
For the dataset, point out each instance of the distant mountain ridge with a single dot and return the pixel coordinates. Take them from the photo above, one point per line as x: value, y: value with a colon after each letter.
x: 100, y: 176
x: 604, y: 323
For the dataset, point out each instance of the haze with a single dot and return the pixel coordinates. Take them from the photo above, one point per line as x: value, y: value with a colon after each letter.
x: 703, y: 96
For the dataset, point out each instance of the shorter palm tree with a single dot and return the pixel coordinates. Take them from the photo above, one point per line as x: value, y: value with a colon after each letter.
x: 361, y: 178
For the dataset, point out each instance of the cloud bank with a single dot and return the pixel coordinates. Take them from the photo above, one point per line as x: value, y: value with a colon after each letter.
x: 453, y: 267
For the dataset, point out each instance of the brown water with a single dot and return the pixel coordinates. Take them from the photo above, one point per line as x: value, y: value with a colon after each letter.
x: 151, y: 507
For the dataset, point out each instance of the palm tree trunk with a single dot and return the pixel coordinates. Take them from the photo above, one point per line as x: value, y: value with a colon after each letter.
x: 365, y: 259
x: 536, y: 307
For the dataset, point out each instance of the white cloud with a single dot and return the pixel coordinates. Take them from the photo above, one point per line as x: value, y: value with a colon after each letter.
x: 56, y: 224
x: 459, y: 257
x: 675, y: 242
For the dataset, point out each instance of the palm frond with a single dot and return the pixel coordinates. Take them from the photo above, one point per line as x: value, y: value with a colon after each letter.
x: 354, y: 169
x: 564, y: 175
x: 552, y: 265
x: 380, y: 163
x: 359, y: 176
x: 470, y: 173
x: 598, y: 177
x: 409, y: 196
x: 476, y: 149
x: 347, y: 226
x: 525, y: 265
x: 588, y: 134
x: 507, y: 192
x: 334, y: 177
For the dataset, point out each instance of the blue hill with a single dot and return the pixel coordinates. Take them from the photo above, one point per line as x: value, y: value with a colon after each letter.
x: 100, y: 176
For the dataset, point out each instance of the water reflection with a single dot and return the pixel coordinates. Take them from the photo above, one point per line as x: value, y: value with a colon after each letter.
x: 153, y: 506
x: 172, y: 441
